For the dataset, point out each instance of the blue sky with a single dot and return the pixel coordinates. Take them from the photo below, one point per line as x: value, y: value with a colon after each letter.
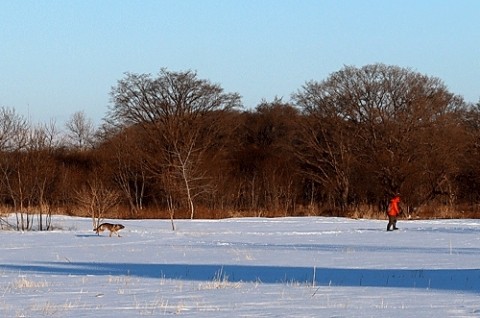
x: 58, y: 57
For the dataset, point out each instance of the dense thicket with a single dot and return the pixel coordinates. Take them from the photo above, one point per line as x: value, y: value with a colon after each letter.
x: 174, y: 145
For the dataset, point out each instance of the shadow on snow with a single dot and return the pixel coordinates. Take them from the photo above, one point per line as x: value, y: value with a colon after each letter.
x: 445, y: 279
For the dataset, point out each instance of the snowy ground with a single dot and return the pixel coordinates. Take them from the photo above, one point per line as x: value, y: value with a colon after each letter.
x: 254, y: 267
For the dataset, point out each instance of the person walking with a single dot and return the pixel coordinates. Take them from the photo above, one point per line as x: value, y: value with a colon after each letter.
x: 393, y: 211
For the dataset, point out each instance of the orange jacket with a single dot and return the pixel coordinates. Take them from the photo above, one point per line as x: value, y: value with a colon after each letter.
x: 393, y: 209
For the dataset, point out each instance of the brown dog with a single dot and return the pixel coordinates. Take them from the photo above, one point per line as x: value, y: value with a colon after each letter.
x: 113, y: 228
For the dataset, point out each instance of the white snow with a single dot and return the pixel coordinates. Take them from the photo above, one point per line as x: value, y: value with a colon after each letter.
x: 252, y: 267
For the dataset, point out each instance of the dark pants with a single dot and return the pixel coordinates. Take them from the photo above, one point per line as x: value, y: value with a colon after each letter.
x: 392, y: 222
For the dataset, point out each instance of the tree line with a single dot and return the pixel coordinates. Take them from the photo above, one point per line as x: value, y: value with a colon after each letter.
x: 174, y: 145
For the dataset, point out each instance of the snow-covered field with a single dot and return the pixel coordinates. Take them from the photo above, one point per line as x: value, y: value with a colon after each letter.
x: 253, y: 267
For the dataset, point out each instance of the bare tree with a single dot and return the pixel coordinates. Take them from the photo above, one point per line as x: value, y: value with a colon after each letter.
x: 97, y: 199
x: 262, y: 158
x: 14, y: 138
x: 80, y: 131
x: 390, y: 113
x: 181, y: 116
x: 42, y: 169
x: 13, y: 128
x: 29, y: 177
x: 326, y: 141
x: 126, y: 159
